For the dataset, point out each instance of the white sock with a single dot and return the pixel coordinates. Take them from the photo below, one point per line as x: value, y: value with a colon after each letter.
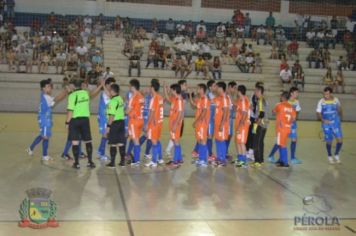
x: 169, y: 146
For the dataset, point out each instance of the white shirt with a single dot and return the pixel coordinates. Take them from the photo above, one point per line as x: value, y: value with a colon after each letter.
x: 350, y: 25
x: 310, y: 35
x: 250, y: 59
x: 82, y: 50
x: 180, y: 27
x: 195, y: 47
x: 205, y: 48
x: 107, y: 74
x: 320, y: 35
x: 221, y: 27
x: 240, y: 29
x: 203, y: 26
x: 261, y: 30
x: 50, y: 100
x: 178, y: 39
x: 88, y: 21
x: 285, y: 75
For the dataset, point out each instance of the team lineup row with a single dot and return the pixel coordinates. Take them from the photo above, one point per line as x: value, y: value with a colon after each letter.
x: 223, y: 113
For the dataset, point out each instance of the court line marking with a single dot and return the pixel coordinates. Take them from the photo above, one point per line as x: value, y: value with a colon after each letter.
x: 121, y: 194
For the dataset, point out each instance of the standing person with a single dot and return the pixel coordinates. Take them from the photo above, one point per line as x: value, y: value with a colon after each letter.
x: 285, y: 116
x: 154, y: 124
x: 242, y: 124
x: 329, y: 111
x: 251, y: 134
x: 146, y: 110
x: 116, y: 125
x: 231, y: 91
x: 293, y: 100
x: 201, y: 123
x: 134, y: 111
x: 221, y: 123
x: 176, y: 116
x: 44, y: 118
x: 102, y: 117
x: 78, y: 113
x: 260, y: 126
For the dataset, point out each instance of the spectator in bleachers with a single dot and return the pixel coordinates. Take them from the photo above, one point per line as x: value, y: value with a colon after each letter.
x: 269, y: 35
x: 296, y: 66
x: 261, y: 34
x: 339, y: 81
x: 216, y: 68
x: 194, y: 47
x: 241, y: 62
x: 314, y: 57
x: 330, y: 38
x: 285, y: 75
x: 178, y: 39
x: 247, y: 24
x: 44, y: 62
x: 82, y: 51
x: 270, y: 21
x: 201, y: 35
x: 138, y: 47
x: 258, y: 63
x: 10, y: 58
x: 180, y: 28
x: 134, y: 63
x: 189, y: 29
x: 186, y: 66
x: 292, y: 49
x: 284, y: 63
x: 161, y: 40
x: 220, y: 35
x: 348, y: 41
x: 107, y: 73
x: 205, y: 51
x: 97, y: 58
x: 334, y: 25
x: 310, y: 37
x: 233, y: 51
x: 298, y: 78
x: 170, y: 28
x: 238, y: 18
x: 328, y: 79
x: 341, y: 63
x: 279, y: 30
x: 60, y: 60
x: 300, y: 25
x: 352, y: 59
x: 325, y: 57
x: 117, y: 26
x: 240, y: 31
x: 319, y: 39
x: 72, y: 61
x: 140, y: 32
x: 201, y: 66
x: 22, y: 57
x: 10, y: 8
x: 177, y: 65
x: 151, y: 56
x: 201, y: 25
x: 250, y: 62
x: 274, y: 51
x: 184, y: 47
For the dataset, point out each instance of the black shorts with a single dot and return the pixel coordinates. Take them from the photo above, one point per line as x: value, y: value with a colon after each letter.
x: 117, y: 133
x: 79, y: 129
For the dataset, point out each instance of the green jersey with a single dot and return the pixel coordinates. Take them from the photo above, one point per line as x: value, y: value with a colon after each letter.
x: 116, y: 108
x: 78, y: 103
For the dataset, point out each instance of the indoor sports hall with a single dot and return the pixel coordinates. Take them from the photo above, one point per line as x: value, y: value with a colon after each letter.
x: 47, y: 46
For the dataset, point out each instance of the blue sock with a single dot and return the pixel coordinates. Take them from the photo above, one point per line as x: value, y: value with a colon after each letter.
x: 210, y: 146
x: 293, y: 146
x: 67, y: 147
x: 274, y: 150
x: 218, y: 150
x: 148, y: 147
x: 177, y: 153
x: 227, y: 142
x: 180, y: 153
x: 338, y: 148
x: 223, y: 151
x: 160, y: 155
x: 36, y: 141
x: 283, y: 155
x: 130, y: 148
x: 137, y: 151
x: 204, y: 152
x: 155, y: 153
x: 45, y: 143
x: 244, y: 158
x: 102, y: 146
x: 328, y: 149
x: 200, y: 150
x: 196, y: 148
x: 142, y: 139
x: 239, y: 157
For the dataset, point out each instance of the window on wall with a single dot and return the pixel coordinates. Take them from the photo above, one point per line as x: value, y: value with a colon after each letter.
x: 158, y: 2
x: 325, y: 7
x: 257, y: 5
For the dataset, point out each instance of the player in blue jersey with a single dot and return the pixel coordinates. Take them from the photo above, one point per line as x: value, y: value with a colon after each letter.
x: 231, y: 93
x: 330, y: 113
x: 44, y: 118
x: 102, y: 117
x: 293, y: 100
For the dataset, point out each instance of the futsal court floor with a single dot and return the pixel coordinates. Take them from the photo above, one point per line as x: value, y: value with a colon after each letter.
x: 184, y: 201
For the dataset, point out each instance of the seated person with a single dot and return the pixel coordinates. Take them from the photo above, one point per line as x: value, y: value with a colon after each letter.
x: 186, y: 66
x: 97, y: 58
x: 285, y: 75
x: 298, y: 78
x: 328, y: 78
x: 293, y: 48
x: 339, y: 81
x: 315, y: 57
x: 274, y: 51
x: 201, y: 35
x: 269, y: 35
x: 151, y: 55
x: 220, y: 35
x: 216, y: 68
x: 201, y: 66
x: 138, y: 47
x: 233, y: 51
x: 128, y: 47
x: 135, y: 63
x: 241, y: 62
x: 261, y: 34
x: 310, y: 36
x: 240, y: 31
x: 284, y: 64
x: 177, y: 65
x: 258, y: 63
x: 250, y: 62
x: 341, y: 63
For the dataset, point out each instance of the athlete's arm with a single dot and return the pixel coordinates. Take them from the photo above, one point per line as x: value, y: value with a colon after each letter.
x: 224, y: 118
x: 178, y: 120
x: 60, y: 96
x: 192, y: 102
x: 97, y: 90
x: 243, y: 120
x: 166, y: 95
x: 69, y: 116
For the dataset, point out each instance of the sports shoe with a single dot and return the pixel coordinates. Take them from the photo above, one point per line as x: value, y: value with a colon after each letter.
x: 82, y: 156
x: 91, y: 165
x: 46, y: 158
x: 241, y: 164
x: 337, y: 159
x: 281, y: 164
x: 76, y: 166
x: 221, y: 163
x: 122, y: 163
x: 29, y: 151
x: 195, y: 154
x: 202, y: 163
x: 110, y: 165
x: 160, y: 161
x: 169, y: 162
x: 257, y: 165
x: 151, y: 164
x: 104, y: 158
x: 212, y: 158
x: 180, y: 161
x: 66, y: 157
x: 271, y: 159
x: 148, y: 156
x: 296, y: 161
x: 331, y: 160
x: 135, y: 163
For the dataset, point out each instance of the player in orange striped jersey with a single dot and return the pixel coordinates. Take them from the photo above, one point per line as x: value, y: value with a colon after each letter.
x: 135, y: 113
x: 242, y: 124
x: 201, y: 122
x: 221, y: 123
x: 285, y: 116
x: 154, y: 124
x: 176, y: 116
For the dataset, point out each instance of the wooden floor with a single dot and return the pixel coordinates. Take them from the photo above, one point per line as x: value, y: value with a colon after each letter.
x: 184, y: 201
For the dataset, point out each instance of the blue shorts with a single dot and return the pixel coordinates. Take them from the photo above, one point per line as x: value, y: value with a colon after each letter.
x: 46, y: 131
x: 102, y: 122
x: 293, y: 134
x: 331, y: 131
x: 211, y: 128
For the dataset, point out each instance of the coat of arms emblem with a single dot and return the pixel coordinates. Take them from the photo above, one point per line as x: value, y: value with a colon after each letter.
x: 37, y: 211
